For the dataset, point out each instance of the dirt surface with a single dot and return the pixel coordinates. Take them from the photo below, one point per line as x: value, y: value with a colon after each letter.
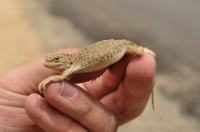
x: 30, y: 29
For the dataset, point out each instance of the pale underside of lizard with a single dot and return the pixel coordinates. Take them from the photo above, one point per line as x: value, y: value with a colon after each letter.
x: 95, y: 57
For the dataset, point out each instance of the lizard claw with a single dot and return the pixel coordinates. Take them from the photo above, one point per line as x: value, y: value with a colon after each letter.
x: 42, y: 85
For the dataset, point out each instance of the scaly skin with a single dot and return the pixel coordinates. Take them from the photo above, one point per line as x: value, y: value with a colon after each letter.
x: 92, y: 58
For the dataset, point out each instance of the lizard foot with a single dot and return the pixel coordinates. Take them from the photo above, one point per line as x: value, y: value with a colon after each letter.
x: 54, y: 78
x: 43, y: 84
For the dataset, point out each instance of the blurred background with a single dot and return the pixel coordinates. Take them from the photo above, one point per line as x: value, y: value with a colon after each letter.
x: 30, y: 29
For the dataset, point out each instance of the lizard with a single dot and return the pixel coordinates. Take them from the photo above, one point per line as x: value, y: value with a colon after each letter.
x: 94, y: 57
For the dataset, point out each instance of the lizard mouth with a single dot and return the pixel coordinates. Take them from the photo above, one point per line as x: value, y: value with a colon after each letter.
x: 51, y: 65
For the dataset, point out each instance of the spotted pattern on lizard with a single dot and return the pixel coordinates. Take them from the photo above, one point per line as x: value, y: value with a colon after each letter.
x: 97, y: 56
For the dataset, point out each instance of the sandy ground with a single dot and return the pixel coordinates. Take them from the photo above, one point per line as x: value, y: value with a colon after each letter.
x: 28, y: 31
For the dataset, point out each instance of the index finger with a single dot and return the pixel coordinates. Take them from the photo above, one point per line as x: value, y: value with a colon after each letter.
x: 25, y: 79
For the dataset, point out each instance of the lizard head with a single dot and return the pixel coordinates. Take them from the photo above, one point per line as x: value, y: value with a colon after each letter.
x: 59, y: 62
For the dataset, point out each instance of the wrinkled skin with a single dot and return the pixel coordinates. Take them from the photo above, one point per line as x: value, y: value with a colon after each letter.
x: 116, y: 97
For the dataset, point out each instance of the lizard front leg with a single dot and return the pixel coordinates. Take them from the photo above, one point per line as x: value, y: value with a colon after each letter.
x: 54, y: 78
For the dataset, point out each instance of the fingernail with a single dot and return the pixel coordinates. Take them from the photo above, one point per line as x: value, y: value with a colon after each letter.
x: 44, y: 105
x: 67, y: 90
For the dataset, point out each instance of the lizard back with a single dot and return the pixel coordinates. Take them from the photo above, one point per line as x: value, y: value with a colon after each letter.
x: 101, y: 55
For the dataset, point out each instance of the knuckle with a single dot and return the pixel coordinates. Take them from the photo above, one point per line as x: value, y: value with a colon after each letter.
x: 70, y: 126
x: 85, y: 109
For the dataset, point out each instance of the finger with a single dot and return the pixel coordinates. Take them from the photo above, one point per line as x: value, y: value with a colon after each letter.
x: 110, y: 80
x: 48, y: 118
x: 79, y: 105
x: 26, y: 78
x: 131, y: 97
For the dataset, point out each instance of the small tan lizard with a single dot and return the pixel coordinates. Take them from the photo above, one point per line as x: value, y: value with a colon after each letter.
x: 92, y: 58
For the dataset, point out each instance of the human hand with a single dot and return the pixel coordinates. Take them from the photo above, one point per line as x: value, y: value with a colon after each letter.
x: 116, y: 97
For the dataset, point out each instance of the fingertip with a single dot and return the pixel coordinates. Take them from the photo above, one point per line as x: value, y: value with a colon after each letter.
x: 31, y: 106
x: 142, y: 68
x: 31, y: 103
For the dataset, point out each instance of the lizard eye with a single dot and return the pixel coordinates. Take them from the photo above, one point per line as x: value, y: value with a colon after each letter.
x: 56, y: 59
